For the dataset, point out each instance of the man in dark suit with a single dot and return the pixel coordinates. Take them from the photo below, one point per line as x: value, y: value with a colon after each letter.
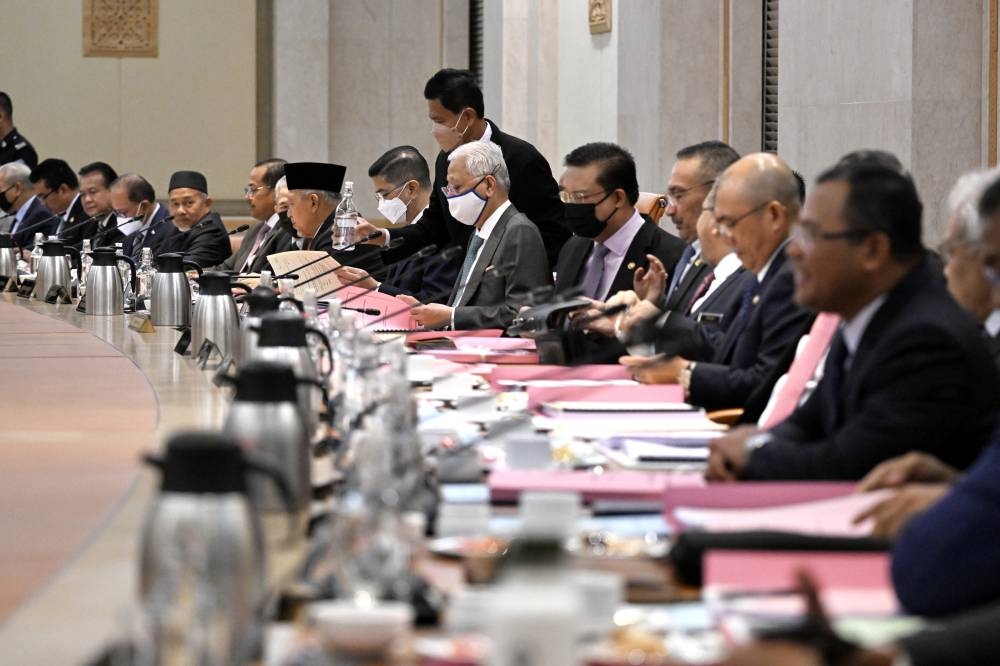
x: 756, y: 203
x: 259, y: 193
x: 13, y: 146
x: 133, y: 196
x: 402, y: 183
x: 313, y: 195
x: 693, y: 174
x: 97, y: 215
x: 57, y: 187
x: 17, y: 198
x: 908, y: 369
x: 455, y: 107
x: 505, y: 259
x: 196, y: 232
x: 610, y: 243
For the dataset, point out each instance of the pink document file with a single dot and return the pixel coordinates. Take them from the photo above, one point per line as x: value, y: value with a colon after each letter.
x: 505, y: 378
x: 507, y: 485
x: 393, y: 313
x: 614, y: 396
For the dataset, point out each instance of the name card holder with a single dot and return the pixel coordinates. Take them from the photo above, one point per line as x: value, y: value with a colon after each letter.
x: 184, y: 342
x: 141, y: 322
x: 8, y: 283
x: 81, y: 305
x: 58, y: 294
x: 221, y: 376
x: 27, y: 286
x: 206, y: 352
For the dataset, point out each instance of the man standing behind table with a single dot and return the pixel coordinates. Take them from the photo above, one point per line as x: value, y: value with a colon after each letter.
x: 402, y: 183
x: 455, y: 109
x: 197, y: 232
x: 261, y: 238
x: 505, y: 259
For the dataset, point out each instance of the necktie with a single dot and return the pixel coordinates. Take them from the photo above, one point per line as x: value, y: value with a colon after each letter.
x: 258, y: 239
x: 682, y: 264
x: 137, y: 242
x: 475, y: 242
x: 803, y: 368
x: 701, y: 290
x: 62, y: 223
x: 595, y: 274
x: 746, y: 309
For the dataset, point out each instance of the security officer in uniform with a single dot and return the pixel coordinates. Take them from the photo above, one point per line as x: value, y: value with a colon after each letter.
x: 13, y: 146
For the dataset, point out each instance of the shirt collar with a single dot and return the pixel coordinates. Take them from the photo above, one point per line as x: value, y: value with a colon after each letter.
x: 23, y: 210
x: 854, y: 329
x: 728, y: 265
x: 992, y: 323
x: 762, y: 273
x: 419, y: 215
x: 619, y: 242
x: 271, y: 221
x: 488, y: 134
x: 65, y: 213
x: 491, y: 221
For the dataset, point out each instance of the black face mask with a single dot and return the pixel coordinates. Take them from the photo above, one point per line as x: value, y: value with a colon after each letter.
x: 285, y: 222
x: 581, y: 220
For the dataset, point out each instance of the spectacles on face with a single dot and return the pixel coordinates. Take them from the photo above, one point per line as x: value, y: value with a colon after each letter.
x: 807, y: 235
x: 251, y: 191
x: 388, y: 195
x: 450, y: 191
x: 992, y: 274
x: 43, y: 197
x: 675, y: 194
x: 580, y: 197
x: 728, y: 223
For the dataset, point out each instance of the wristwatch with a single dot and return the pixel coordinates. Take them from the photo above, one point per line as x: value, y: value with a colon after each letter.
x: 756, y: 441
x: 685, y: 377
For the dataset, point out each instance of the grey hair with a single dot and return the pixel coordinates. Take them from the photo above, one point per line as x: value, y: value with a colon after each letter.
x: 281, y: 184
x: 963, y: 200
x: 483, y: 158
x: 15, y: 173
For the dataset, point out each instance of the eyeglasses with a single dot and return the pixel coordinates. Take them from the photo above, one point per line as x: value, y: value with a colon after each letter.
x: 992, y: 274
x: 728, y: 224
x: 807, y: 235
x: 380, y: 197
x: 674, y: 195
x: 449, y: 191
x: 251, y: 191
x: 579, y: 197
x: 43, y: 197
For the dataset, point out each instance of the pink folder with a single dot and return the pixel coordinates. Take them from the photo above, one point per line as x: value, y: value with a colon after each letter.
x: 507, y: 485
x: 483, y: 355
x: 393, y: 313
x: 849, y: 583
x: 434, y: 335
x: 558, y: 372
x: 640, y: 393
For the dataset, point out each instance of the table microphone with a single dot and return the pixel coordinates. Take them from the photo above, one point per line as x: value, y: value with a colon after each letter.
x: 35, y: 225
x: 238, y: 230
x: 446, y: 254
x: 107, y: 231
x: 78, y: 224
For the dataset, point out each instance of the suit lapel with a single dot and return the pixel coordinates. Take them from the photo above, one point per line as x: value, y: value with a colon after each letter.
x: 486, y: 256
x: 634, y: 257
x: 578, y: 249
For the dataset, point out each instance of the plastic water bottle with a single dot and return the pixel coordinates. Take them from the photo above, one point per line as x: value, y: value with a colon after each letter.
x: 36, y: 251
x: 345, y: 220
x: 86, y: 261
x: 145, y: 274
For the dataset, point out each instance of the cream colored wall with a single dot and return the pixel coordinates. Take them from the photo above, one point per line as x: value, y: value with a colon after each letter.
x: 193, y: 107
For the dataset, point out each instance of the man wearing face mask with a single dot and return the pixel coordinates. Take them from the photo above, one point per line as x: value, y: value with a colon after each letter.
x: 133, y: 196
x: 402, y: 183
x: 610, y: 238
x: 17, y: 198
x: 505, y: 259
x: 264, y: 237
x: 455, y: 107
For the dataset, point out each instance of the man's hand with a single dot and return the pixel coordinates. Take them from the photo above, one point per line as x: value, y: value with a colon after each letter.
x: 432, y: 315
x: 914, y: 467
x: 365, y: 228
x: 655, y: 369
x: 892, y: 515
x: 727, y: 455
x: 639, y: 312
x: 649, y: 283
x: 348, y: 274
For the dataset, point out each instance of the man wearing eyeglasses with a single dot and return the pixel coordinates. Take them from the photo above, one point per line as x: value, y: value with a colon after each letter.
x: 57, y: 187
x: 908, y: 369
x: 17, y: 198
x: 756, y: 203
x: 265, y: 236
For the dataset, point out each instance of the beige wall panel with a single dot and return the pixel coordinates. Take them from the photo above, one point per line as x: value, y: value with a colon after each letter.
x: 745, y: 75
x: 192, y: 107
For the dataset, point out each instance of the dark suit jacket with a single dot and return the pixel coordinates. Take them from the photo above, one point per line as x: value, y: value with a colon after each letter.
x: 236, y: 260
x: 78, y: 225
x: 533, y: 191
x: 680, y: 299
x: 743, y: 359
x: 367, y: 257
x: 650, y: 239
x: 921, y: 379
x: 945, y: 560
x: 206, y: 243
x: 158, y: 230
x: 511, y: 264
x: 970, y: 639
x: 424, y: 279
x: 35, y: 214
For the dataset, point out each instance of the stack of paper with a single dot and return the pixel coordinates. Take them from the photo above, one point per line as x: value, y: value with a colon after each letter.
x: 507, y: 485
x: 603, y: 398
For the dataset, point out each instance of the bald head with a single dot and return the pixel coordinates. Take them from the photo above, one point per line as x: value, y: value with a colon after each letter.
x: 756, y: 203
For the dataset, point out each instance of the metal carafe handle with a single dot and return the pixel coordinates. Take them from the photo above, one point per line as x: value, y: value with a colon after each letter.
x: 134, y: 279
x: 76, y: 261
x: 194, y: 265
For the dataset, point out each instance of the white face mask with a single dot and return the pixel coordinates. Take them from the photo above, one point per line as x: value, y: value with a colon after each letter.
x: 467, y: 206
x: 122, y: 220
x: 392, y: 210
x: 449, y: 138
